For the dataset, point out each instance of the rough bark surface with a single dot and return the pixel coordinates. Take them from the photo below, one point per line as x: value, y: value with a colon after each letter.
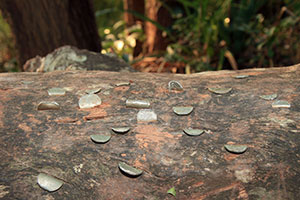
x: 40, y: 26
x: 57, y: 142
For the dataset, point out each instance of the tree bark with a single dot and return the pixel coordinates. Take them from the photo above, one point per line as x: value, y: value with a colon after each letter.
x: 57, y: 142
x: 40, y: 26
x: 137, y: 6
x: 153, y: 9
x: 133, y: 5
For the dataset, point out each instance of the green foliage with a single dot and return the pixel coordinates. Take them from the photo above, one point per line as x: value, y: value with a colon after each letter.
x: 205, y: 34
x: 121, y: 40
x: 116, y: 37
x: 7, y: 51
x: 172, y: 191
x: 198, y: 33
x: 212, y: 34
x: 107, y: 13
x: 262, y: 36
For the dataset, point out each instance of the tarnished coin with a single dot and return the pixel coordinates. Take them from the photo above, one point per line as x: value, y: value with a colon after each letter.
x: 48, y: 105
x: 132, y: 103
x: 56, y: 91
x: 92, y: 90
x: 122, y: 84
x: 281, y: 104
x: 175, y: 85
x: 129, y: 170
x: 100, y: 138
x: 269, y: 97
x: 193, y: 132
x: 235, y: 148
x: 89, y: 101
x: 121, y: 130
x: 241, y: 76
x: 48, y: 183
x: 220, y: 90
x: 181, y: 110
x: 146, y: 115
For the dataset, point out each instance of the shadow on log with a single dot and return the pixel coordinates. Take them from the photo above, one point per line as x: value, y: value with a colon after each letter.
x: 57, y: 142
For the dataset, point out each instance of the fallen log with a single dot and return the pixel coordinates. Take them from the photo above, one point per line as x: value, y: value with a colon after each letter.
x: 57, y: 142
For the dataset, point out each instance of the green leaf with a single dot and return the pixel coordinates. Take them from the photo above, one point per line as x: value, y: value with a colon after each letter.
x: 172, y: 191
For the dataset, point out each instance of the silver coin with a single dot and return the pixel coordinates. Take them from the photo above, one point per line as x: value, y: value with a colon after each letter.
x: 175, y: 85
x: 48, y: 105
x: 180, y: 110
x: 133, y: 103
x: 235, y: 148
x: 129, y: 169
x: 89, y: 101
x: 100, y: 138
x: 48, y: 182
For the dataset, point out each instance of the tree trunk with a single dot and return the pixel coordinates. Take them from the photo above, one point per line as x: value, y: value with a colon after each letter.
x: 57, y: 142
x: 40, y: 26
x: 137, y: 6
x: 133, y: 5
x: 153, y: 9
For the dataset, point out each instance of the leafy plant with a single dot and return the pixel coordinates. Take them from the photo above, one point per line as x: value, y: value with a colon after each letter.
x: 7, y: 51
x: 262, y: 34
x: 211, y: 35
x: 107, y: 12
x: 198, y: 34
x: 121, y: 40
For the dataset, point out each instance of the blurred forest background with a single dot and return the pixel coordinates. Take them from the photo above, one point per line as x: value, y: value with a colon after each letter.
x: 187, y: 36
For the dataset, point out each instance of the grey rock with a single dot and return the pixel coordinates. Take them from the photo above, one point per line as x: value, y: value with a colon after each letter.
x: 72, y: 58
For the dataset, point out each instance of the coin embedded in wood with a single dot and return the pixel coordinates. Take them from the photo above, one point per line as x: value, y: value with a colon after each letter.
x: 235, y: 148
x: 175, y: 85
x: 125, y: 83
x: 181, y: 110
x: 93, y: 90
x: 48, y: 182
x: 120, y: 129
x: 56, y: 91
x: 100, y: 138
x: 132, y: 103
x: 146, y: 115
x: 48, y: 105
x: 220, y: 90
x: 193, y: 132
x: 89, y: 101
x: 281, y: 104
x: 129, y: 170
x: 241, y: 76
x: 27, y: 82
x: 269, y: 97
